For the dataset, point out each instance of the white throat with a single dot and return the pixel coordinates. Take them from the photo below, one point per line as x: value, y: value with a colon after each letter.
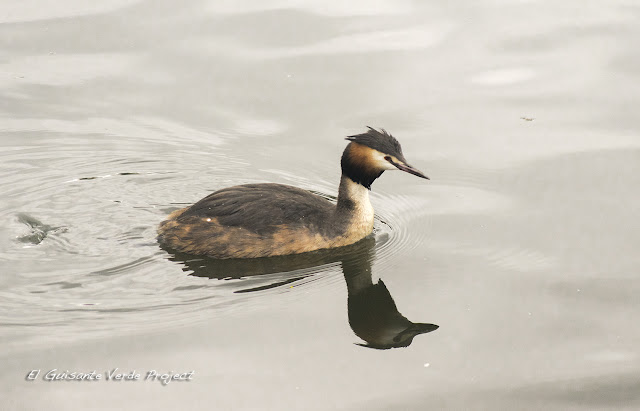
x: 359, y: 195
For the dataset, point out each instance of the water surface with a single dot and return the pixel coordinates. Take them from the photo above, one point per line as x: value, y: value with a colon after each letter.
x: 522, y: 248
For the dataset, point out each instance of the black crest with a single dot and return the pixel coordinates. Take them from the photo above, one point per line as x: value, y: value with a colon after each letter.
x: 379, y: 140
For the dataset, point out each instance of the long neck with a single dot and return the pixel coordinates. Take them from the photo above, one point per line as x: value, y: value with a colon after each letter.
x: 353, y: 216
x: 352, y: 197
x: 354, y: 212
x: 354, y: 209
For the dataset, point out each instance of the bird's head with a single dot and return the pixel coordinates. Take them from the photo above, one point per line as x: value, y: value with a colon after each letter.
x: 369, y: 154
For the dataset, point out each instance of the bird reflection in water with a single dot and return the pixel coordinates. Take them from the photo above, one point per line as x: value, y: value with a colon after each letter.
x: 373, y: 315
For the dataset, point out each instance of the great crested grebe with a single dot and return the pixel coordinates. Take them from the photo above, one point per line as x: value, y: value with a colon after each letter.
x: 263, y: 220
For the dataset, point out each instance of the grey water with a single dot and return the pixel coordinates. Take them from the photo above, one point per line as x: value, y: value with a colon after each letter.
x: 510, y: 280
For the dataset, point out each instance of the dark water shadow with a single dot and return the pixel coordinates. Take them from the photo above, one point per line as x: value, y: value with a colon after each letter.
x: 38, y: 231
x: 372, y: 312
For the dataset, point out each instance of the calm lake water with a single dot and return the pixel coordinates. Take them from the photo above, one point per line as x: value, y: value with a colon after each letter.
x: 523, y: 247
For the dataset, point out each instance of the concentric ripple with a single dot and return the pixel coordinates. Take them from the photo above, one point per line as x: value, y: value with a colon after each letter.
x: 82, y: 259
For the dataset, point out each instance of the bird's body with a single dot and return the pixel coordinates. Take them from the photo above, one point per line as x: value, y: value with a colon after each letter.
x: 262, y: 220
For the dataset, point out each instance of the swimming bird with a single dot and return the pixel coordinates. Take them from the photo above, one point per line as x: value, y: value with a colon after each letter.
x: 263, y: 220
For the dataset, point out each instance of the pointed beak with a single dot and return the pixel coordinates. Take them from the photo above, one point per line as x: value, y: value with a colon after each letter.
x: 409, y: 169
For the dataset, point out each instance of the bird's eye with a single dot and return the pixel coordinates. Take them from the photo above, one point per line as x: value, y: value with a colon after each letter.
x: 388, y: 159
